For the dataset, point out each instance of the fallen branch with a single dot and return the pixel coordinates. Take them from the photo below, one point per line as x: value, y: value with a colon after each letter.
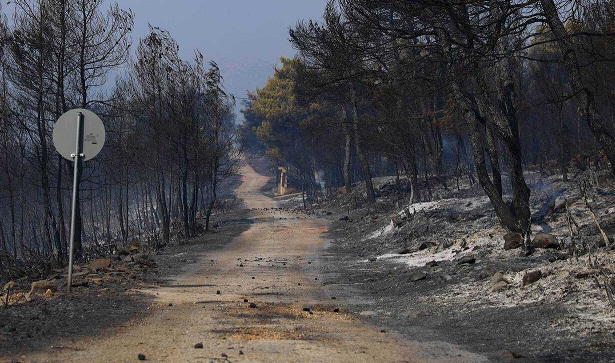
x: 605, y: 238
x: 608, y: 286
x: 584, y: 186
x: 571, y: 225
x: 8, y: 295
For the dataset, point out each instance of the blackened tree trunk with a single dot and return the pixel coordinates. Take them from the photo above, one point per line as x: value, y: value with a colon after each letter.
x: 184, y: 194
x: 106, y: 204
x: 163, y: 209
x: 564, y: 145
x: 60, y: 108
x: 367, y: 174
x: 502, y: 118
x: 5, y: 252
x: 476, y: 129
x: 60, y: 203
x: 347, y: 151
x: 194, y: 202
x: 213, y: 190
x: 411, y: 169
x: 120, y: 214
x: 494, y: 159
x: 439, y: 155
x: 426, y: 168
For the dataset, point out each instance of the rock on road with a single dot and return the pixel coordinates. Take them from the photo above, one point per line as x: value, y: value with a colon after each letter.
x: 258, y: 301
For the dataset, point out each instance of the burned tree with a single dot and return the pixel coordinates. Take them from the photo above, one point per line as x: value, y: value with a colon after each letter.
x: 334, y: 49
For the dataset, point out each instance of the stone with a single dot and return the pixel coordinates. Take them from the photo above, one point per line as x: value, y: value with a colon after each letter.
x: 80, y: 284
x: 499, y: 286
x: 98, y: 264
x: 217, y: 292
x: 558, y: 256
x: 514, y: 355
x: 469, y: 260
x: 81, y: 273
x: 423, y: 246
x: 42, y: 285
x: 586, y: 274
x: 252, y: 305
x: 512, y: 241
x: 525, y: 252
x: 97, y: 281
x: 446, y: 277
x: 142, y: 261
x: 497, y: 278
x: 545, y: 240
x: 531, y: 277
x: 123, y: 252
x: 417, y: 276
x: 307, y: 309
x: 141, y: 356
x: 142, y: 256
x: 336, y: 310
x: 442, y: 245
x: 404, y: 251
x: 431, y: 264
x: 398, y: 221
x: 372, y: 259
x: 198, y: 345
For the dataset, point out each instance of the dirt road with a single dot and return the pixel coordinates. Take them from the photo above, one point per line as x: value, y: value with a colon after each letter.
x: 257, y: 299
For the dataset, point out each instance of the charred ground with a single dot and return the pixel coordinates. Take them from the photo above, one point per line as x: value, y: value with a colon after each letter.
x: 431, y: 274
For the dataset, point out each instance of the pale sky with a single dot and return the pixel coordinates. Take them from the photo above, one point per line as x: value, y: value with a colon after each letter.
x: 245, y: 37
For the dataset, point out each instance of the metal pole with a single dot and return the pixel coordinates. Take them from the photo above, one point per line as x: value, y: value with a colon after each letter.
x: 73, y: 216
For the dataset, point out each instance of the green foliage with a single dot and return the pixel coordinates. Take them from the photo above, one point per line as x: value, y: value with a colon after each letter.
x: 276, y: 112
x: 277, y: 100
x: 293, y: 127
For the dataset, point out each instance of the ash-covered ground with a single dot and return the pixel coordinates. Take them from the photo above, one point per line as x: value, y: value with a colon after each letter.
x: 439, y: 270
